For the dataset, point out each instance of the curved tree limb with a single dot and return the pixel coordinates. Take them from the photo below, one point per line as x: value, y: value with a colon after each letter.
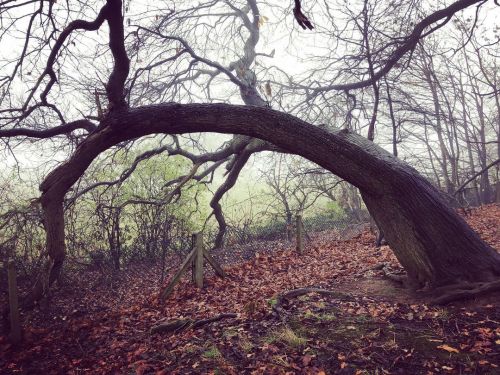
x: 199, y: 177
x: 126, y: 174
x: 219, y: 157
x: 48, y: 133
x: 239, y: 162
x: 176, y: 191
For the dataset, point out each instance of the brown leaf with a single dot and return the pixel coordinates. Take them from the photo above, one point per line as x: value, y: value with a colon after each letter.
x: 306, y: 360
x: 448, y: 348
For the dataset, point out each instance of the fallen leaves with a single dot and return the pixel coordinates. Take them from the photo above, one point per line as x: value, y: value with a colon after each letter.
x: 105, y: 329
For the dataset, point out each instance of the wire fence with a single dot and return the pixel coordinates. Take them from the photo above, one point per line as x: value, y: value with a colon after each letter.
x: 241, y: 243
x: 281, y: 230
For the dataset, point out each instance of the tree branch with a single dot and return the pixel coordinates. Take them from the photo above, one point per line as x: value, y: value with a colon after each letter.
x: 462, y: 187
x: 47, y: 133
x: 117, y: 78
x: 408, y: 45
x: 49, y: 68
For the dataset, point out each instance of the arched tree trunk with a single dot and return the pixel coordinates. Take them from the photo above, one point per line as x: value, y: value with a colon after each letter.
x: 433, y: 243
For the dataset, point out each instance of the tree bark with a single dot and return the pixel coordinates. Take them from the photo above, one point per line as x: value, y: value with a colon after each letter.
x: 433, y: 243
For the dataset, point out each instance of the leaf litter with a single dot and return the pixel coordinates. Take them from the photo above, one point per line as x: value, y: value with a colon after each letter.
x: 98, y: 323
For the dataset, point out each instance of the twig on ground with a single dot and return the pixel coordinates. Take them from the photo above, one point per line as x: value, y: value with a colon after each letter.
x: 283, y: 298
x: 178, y: 325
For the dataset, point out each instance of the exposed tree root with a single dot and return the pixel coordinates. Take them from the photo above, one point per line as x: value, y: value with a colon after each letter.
x: 462, y: 291
x: 396, y: 277
x: 377, y: 267
x: 285, y: 297
x: 179, y: 325
x: 445, y: 294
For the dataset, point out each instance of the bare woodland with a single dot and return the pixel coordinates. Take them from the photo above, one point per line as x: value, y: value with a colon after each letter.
x: 149, y: 106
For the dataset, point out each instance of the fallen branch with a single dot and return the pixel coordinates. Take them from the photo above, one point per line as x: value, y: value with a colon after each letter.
x: 285, y: 297
x: 179, y: 325
x: 462, y: 291
x: 184, y: 266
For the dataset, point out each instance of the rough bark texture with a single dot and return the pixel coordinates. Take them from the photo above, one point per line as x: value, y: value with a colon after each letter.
x: 431, y: 241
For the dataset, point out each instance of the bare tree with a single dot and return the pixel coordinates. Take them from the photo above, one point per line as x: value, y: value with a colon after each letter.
x: 436, y: 247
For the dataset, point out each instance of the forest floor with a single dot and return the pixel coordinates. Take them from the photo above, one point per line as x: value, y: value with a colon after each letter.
x: 100, y: 324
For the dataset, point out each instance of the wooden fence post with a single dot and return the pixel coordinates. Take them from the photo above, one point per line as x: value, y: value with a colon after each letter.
x: 184, y: 266
x: 195, y: 259
x: 15, y: 323
x: 300, y: 229
x: 198, y: 260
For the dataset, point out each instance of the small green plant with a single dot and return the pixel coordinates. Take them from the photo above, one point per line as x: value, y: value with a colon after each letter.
x: 319, y: 304
x: 272, y: 302
x: 308, y: 314
x: 246, y: 345
x: 287, y: 336
x: 328, y: 317
x: 212, y: 353
x: 231, y: 332
x: 280, y: 360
